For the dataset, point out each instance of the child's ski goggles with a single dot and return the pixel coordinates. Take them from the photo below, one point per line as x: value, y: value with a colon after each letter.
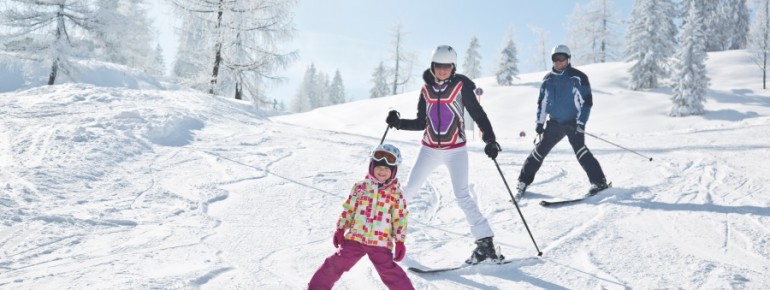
x: 384, y: 155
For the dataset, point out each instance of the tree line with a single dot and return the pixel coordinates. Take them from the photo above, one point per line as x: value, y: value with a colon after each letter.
x: 232, y: 48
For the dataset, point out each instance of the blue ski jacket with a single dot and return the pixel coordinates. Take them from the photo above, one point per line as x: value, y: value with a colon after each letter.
x: 565, y: 96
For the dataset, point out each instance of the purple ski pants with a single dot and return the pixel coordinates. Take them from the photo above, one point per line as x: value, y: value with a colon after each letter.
x: 338, y: 263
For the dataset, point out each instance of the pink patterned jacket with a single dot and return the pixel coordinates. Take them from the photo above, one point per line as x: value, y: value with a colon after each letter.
x: 375, y: 214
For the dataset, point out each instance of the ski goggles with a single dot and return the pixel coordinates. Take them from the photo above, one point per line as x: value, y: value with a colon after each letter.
x: 559, y: 58
x: 384, y: 155
x: 443, y: 65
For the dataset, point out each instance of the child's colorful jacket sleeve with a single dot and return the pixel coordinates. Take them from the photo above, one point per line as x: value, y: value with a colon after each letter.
x: 348, y: 210
x: 399, y: 216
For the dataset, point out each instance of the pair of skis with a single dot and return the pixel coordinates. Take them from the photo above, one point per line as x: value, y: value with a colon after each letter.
x: 506, y: 261
x: 546, y: 203
x: 463, y: 266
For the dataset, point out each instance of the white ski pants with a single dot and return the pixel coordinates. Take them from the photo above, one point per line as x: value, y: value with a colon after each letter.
x: 456, y: 160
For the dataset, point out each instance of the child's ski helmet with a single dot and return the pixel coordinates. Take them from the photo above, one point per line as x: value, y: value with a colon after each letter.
x: 385, y: 155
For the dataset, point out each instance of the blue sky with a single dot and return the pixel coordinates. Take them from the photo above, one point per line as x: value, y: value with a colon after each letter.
x: 355, y: 35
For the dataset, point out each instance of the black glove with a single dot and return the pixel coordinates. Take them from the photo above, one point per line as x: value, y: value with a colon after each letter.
x: 539, y: 129
x: 491, y: 149
x: 392, y: 119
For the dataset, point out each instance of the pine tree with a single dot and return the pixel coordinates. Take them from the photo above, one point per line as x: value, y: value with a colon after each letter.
x: 472, y: 63
x: 115, y: 20
x: 308, y: 96
x: 508, y: 67
x: 336, y: 90
x: 593, y: 35
x: 690, y: 80
x: 379, y: 78
x: 726, y: 24
x: 739, y: 14
x: 50, y: 31
x: 542, y: 51
x: 759, y: 38
x: 650, y: 41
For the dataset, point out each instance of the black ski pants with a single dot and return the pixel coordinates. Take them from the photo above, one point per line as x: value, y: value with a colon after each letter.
x: 555, y: 132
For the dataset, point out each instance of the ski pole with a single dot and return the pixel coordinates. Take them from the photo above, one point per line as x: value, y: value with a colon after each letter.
x: 539, y: 253
x: 383, y: 135
x: 637, y: 153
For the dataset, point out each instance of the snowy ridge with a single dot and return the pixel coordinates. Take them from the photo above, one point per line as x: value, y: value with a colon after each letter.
x: 104, y: 187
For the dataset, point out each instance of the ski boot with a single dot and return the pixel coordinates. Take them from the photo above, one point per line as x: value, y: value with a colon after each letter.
x: 597, y: 187
x: 485, y: 249
x: 520, y: 189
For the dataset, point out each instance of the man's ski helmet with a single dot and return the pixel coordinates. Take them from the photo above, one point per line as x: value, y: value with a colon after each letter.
x: 444, y: 54
x: 561, y: 48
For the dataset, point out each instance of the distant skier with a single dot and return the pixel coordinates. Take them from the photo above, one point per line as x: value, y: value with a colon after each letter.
x: 440, y: 115
x: 374, y: 216
x: 565, y: 96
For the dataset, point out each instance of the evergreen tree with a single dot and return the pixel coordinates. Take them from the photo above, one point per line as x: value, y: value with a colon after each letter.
x: 739, y: 14
x: 321, y: 90
x: 690, y: 80
x: 472, y: 63
x: 379, y: 78
x: 336, y: 90
x: 726, y: 24
x: 124, y: 34
x: 508, y: 67
x: 759, y: 38
x: 309, y: 96
x: 593, y: 35
x: 192, y: 63
x: 650, y: 41
x: 542, y: 56
x: 50, y: 31
x: 159, y: 66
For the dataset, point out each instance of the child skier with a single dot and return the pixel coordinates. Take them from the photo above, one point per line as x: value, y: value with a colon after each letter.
x: 374, y: 216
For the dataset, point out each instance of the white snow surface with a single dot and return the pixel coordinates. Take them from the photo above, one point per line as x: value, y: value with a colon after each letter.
x: 104, y: 186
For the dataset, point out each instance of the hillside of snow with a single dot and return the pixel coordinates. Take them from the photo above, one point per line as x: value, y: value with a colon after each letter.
x: 108, y: 185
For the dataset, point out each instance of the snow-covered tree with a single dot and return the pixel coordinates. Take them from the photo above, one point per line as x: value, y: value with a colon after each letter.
x: 50, y: 31
x: 472, y: 63
x: 689, y: 77
x: 650, y: 42
x: 593, y: 33
x: 336, y: 90
x: 124, y: 34
x: 508, y: 65
x: 726, y: 24
x: 759, y: 38
x: 379, y: 78
x: 159, y: 66
x: 401, y: 73
x: 738, y: 13
x: 191, y: 65
x: 308, y: 97
x: 239, y: 39
x: 542, y: 56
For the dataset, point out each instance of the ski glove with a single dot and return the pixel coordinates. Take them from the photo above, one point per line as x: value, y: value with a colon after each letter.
x: 339, y: 236
x: 393, y: 119
x: 539, y: 129
x: 491, y: 149
x: 400, y: 252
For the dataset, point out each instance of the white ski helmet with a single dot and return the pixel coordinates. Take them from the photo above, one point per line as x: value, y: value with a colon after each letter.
x: 444, y: 54
x: 561, y: 48
x: 387, y: 149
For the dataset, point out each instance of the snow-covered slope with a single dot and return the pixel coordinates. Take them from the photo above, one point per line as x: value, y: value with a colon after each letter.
x: 118, y: 188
